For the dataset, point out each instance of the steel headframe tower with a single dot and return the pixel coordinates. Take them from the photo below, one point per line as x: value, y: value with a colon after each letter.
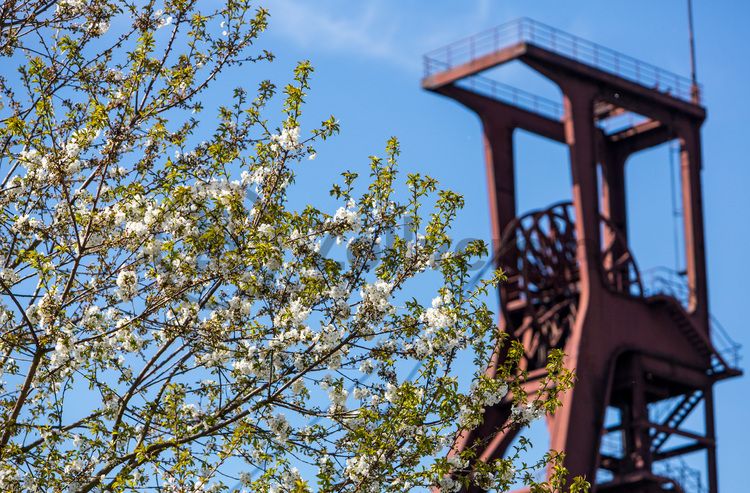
x: 573, y: 283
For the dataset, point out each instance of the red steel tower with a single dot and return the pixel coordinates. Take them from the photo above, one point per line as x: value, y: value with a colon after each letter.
x: 573, y: 282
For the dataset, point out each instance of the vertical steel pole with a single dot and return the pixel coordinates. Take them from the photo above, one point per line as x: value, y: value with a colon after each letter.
x: 713, y: 481
x: 694, y: 91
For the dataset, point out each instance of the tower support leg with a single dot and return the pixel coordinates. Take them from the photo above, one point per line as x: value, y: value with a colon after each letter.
x: 711, y: 466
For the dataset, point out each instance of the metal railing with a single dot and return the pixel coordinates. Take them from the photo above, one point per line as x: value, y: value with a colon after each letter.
x: 513, y: 95
x: 688, y: 478
x: 565, y: 44
x: 666, y: 281
x: 729, y: 349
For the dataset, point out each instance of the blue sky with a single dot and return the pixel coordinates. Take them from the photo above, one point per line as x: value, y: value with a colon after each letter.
x: 367, y: 56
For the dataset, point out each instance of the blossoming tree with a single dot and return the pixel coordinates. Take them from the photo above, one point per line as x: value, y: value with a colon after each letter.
x: 169, y: 322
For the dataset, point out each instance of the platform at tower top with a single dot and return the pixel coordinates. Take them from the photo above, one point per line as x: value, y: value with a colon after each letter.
x: 462, y: 62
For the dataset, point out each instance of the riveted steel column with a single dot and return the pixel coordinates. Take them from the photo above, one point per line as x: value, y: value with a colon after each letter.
x: 613, y: 189
x: 692, y: 206
x: 499, y: 163
x: 711, y: 460
x: 575, y: 427
x: 580, y: 135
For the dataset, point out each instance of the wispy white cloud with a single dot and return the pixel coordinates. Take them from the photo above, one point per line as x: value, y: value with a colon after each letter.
x: 365, y: 30
x: 482, y: 9
x: 391, y: 31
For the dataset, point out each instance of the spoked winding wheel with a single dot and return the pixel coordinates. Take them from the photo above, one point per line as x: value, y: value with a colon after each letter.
x: 538, y: 252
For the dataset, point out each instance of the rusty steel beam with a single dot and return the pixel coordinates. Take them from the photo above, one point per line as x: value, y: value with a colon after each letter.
x: 617, y: 88
x: 678, y: 451
x: 641, y: 136
x: 511, y: 116
x: 475, y: 66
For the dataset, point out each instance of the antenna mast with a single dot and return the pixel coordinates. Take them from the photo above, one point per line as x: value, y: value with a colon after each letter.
x: 694, y: 91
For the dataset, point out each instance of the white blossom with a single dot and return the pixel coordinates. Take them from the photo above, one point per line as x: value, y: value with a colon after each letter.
x: 375, y: 296
x: 280, y: 427
x: 99, y: 28
x: 71, y: 6
x: 127, y: 282
x: 439, y: 316
x: 449, y: 485
x: 337, y: 396
x: 358, y: 468
x: 288, y: 140
x: 367, y: 366
x: 349, y: 218
x: 526, y: 413
x: 9, y: 276
x: 162, y: 21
